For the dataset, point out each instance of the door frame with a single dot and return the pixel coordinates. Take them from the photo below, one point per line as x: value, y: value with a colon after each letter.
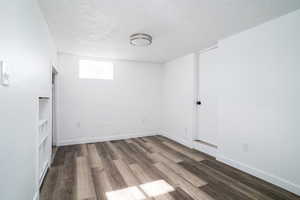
x: 54, y: 135
x: 196, y: 145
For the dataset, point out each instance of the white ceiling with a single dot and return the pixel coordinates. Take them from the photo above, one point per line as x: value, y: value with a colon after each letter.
x: 102, y: 27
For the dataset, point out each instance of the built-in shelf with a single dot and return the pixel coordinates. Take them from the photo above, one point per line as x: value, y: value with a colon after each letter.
x: 43, y: 172
x: 42, y: 122
x: 43, y: 130
x: 44, y: 134
x: 43, y: 140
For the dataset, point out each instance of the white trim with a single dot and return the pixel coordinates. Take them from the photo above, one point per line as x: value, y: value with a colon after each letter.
x: 283, y: 183
x: 36, y: 196
x: 42, y: 176
x: 54, y: 106
x: 205, y: 149
x: 194, y: 134
x: 182, y: 141
x: 103, y: 139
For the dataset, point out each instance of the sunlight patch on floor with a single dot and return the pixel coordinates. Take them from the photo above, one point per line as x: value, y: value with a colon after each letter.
x: 130, y: 193
x: 151, y: 189
x: 156, y: 188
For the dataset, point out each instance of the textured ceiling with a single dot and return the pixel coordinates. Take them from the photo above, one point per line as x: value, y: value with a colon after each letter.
x: 102, y: 27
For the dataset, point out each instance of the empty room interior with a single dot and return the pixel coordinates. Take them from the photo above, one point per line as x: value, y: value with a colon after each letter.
x: 150, y: 100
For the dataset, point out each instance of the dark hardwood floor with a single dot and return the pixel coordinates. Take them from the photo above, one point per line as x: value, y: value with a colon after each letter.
x: 149, y: 168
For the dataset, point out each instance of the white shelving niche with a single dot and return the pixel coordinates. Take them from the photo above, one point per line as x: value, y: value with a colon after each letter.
x: 44, y: 137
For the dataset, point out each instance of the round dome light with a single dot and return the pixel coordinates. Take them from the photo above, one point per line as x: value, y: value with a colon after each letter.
x: 140, y: 39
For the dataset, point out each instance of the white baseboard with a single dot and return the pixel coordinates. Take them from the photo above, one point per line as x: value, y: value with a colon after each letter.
x: 103, y: 139
x: 206, y: 149
x: 262, y: 174
x: 182, y: 141
x: 294, y: 188
x: 36, y: 196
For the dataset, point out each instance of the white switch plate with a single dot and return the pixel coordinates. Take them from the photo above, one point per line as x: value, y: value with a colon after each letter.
x: 4, y: 73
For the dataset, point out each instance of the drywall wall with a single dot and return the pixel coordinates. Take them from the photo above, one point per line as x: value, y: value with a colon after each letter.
x: 259, y: 98
x: 27, y: 47
x: 178, y: 99
x: 257, y: 90
x: 95, y: 110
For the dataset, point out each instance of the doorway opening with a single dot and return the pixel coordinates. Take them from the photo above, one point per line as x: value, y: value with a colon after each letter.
x: 206, y: 139
x: 54, y: 112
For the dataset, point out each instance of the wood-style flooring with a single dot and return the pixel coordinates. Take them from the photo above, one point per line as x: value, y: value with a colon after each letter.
x: 149, y: 168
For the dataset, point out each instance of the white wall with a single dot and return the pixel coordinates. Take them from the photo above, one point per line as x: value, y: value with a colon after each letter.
x: 178, y: 102
x: 94, y: 110
x: 26, y: 45
x: 259, y: 99
x: 257, y: 85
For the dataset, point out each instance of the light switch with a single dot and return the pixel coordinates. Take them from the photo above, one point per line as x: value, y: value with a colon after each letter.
x: 4, y: 73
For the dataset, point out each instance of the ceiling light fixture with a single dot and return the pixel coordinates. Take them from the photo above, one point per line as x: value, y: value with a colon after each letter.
x: 140, y: 39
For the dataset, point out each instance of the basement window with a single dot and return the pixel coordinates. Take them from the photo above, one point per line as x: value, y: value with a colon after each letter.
x: 89, y: 69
